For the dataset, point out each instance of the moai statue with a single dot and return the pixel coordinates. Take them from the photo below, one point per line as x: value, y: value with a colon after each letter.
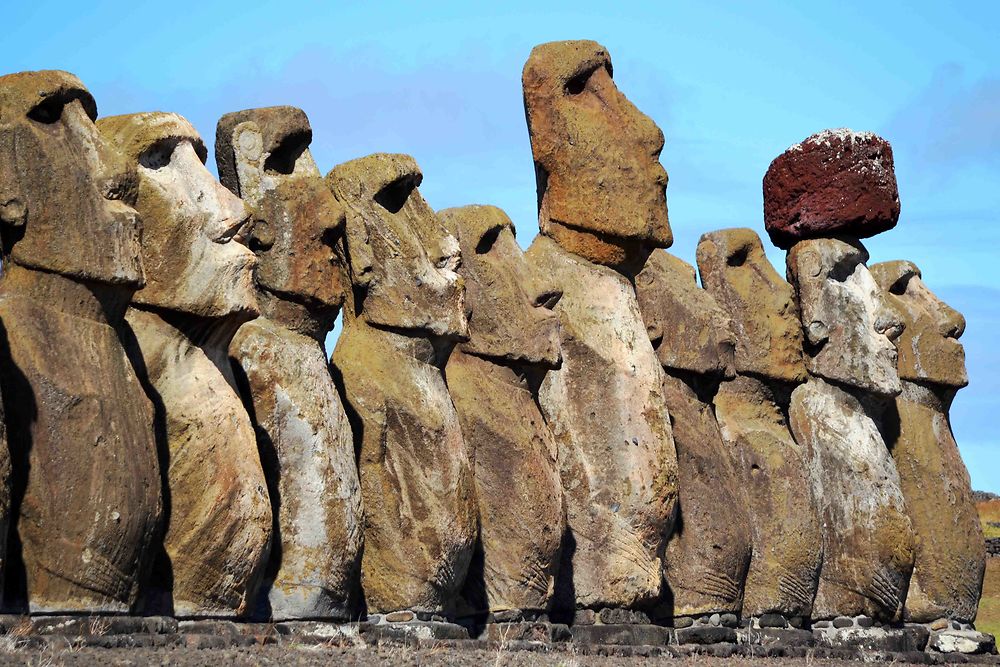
x: 303, y: 433
x: 708, y: 555
x: 399, y: 326
x: 950, y: 551
x: 85, y: 501
x: 199, y: 290
x: 848, y: 330
x: 493, y: 379
x: 602, y: 210
x: 752, y: 410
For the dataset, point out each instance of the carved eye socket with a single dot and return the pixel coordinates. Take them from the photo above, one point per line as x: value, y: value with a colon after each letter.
x: 899, y: 287
x: 284, y: 157
x: 158, y: 155
x: 738, y: 258
x: 578, y: 83
x: 393, y: 196
x: 47, y: 111
x: 488, y: 239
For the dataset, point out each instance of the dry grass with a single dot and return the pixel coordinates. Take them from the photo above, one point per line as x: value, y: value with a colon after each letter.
x: 988, y: 619
x: 989, y: 512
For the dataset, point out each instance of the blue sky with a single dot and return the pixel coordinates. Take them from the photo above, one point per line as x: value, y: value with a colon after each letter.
x: 731, y: 85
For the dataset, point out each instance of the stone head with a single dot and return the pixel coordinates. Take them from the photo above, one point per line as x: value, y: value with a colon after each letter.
x: 929, y: 350
x: 192, y: 247
x: 848, y: 324
x: 413, y: 281
x: 66, y: 196
x: 298, y: 225
x: 688, y: 329
x: 736, y: 272
x: 601, y: 187
x: 508, y: 308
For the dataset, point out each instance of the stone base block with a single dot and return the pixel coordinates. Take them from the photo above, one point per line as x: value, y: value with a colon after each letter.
x: 419, y: 630
x: 779, y: 637
x: 907, y: 638
x: 706, y: 634
x: 627, y: 634
x: 526, y: 632
x: 968, y: 642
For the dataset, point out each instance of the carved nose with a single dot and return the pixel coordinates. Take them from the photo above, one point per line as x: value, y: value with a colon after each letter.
x: 952, y: 323
x: 889, y: 325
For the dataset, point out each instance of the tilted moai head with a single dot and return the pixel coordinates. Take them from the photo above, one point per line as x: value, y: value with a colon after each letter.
x: 509, y: 309
x: 765, y: 324
x: 929, y: 350
x: 66, y: 196
x: 689, y: 331
x: 192, y: 244
x: 298, y: 225
x: 601, y: 187
x: 849, y: 326
x: 835, y: 182
x: 413, y: 282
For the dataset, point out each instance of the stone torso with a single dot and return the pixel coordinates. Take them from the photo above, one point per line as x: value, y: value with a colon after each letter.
x: 606, y: 408
x: 950, y: 552
x: 308, y: 456
x: 787, y: 540
x: 517, y: 481
x: 220, y: 518
x: 84, y: 455
x: 416, y: 476
x: 867, y: 543
x: 707, y: 558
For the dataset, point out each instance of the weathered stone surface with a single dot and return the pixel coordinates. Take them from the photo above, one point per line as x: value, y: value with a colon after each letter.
x: 848, y: 324
x: 705, y: 634
x: 416, y: 475
x: 784, y: 516
x: 606, y: 407
x: 512, y: 334
x: 689, y: 331
x: 303, y: 433
x: 867, y: 537
x: 950, y: 553
x: 630, y: 634
x: 85, y: 490
x: 836, y: 182
x: 896, y: 640
x: 601, y: 188
x: 199, y: 290
x: 738, y: 275
x: 708, y: 554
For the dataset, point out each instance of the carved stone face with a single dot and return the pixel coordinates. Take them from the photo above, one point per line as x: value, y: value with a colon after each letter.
x: 596, y: 155
x: 849, y: 326
x: 688, y: 329
x: 192, y: 244
x: 413, y: 282
x: 299, y: 226
x: 929, y: 350
x: 737, y: 273
x: 509, y: 311
x: 66, y: 196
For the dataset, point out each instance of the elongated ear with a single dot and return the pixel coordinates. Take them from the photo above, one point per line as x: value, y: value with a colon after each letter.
x: 806, y: 274
x: 248, y: 156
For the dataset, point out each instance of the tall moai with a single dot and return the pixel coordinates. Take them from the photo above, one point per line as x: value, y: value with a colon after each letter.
x: 602, y: 210
x: 493, y: 378
x: 708, y: 555
x: 85, y: 493
x: 303, y: 434
x: 199, y: 290
x: 752, y: 410
x: 402, y: 319
x: 820, y: 197
x: 950, y: 550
